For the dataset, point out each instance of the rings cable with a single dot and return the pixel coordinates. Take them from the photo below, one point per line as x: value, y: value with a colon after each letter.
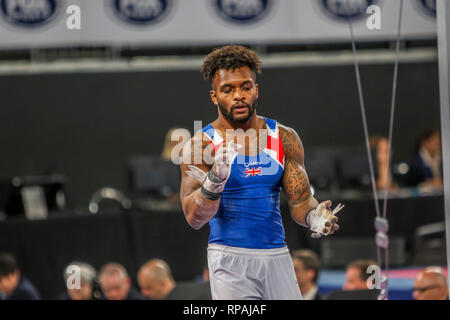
x: 381, y: 223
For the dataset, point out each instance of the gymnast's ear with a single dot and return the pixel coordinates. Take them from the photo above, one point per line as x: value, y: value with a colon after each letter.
x: 213, y: 95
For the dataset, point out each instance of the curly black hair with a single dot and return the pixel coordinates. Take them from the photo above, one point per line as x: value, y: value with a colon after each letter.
x: 230, y: 57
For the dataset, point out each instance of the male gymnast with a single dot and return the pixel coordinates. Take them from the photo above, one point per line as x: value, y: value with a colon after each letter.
x: 245, y: 160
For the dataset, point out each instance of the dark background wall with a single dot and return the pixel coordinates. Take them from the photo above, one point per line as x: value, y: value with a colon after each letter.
x: 86, y: 125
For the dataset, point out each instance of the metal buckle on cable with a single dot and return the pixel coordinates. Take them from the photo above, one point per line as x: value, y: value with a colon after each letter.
x: 381, y: 225
x: 382, y: 240
x: 384, y: 282
x: 383, y: 288
x: 382, y: 295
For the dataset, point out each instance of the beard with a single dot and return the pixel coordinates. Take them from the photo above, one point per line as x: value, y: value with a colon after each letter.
x: 231, y: 118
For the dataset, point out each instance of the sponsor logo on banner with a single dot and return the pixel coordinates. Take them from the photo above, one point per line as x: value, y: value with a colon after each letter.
x: 242, y: 11
x: 29, y: 13
x: 141, y: 12
x: 429, y: 6
x: 342, y: 9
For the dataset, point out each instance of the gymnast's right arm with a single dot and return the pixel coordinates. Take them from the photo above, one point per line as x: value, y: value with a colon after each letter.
x: 197, y: 209
x: 202, y: 185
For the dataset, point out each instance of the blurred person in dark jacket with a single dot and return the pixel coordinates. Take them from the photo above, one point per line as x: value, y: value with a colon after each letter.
x: 155, y: 279
x: 357, y: 274
x: 116, y: 284
x: 425, y: 168
x: 13, y: 284
x: 307, y: 268
x: 157, y: 283
x: 84, y: 288
x: 175, y: 138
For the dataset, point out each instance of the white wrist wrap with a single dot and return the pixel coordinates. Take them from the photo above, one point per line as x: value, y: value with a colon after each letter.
x: 315, y: 221
x: 213, y: 184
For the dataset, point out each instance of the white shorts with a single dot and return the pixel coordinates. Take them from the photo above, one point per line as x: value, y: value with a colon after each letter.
x: 251, y: 274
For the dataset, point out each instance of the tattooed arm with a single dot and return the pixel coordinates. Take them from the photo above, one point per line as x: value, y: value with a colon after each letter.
x: 295, y: 180
x: 305, y: 210
x: 197, y: 209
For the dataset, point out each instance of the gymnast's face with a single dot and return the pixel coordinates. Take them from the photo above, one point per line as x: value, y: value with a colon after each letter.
x: 235, y: 92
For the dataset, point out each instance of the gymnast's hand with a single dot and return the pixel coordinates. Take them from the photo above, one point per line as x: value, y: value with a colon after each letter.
x: 214, y: 181
x: 223, y: 159
x: 322, y: 220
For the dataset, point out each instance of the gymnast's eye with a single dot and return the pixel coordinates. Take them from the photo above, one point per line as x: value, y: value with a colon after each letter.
x: 226, y: 90
x: 247, y: 86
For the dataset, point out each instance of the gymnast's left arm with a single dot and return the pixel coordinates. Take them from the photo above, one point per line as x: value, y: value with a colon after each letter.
x: 305, y: 209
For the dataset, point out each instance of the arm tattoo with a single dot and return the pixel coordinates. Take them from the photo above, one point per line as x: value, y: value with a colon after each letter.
x: 295, y: 178
x: 193, y: 153
x: 196, y: 208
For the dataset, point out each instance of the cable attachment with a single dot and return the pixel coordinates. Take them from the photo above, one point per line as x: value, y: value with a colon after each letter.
x: 383, y: 288
x: 381, y: 225
x: 382, y: 240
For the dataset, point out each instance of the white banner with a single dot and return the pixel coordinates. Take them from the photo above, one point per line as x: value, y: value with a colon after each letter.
x: 59, y: 23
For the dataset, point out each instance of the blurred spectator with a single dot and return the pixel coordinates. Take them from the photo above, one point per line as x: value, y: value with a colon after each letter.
x: 116, y: 284
x: 174, y: 137
x: 173, y: 142
x: 357, y: 275
x: 87, y: 289
x: 307, y: 267
x: 425, y: 168
x: 430, y: 284
x: 155, y: 279
x: 14, y: 285
x: 206, y: 273
x: 156, y: 282
x: 380, y: 145
x: 190, y: 291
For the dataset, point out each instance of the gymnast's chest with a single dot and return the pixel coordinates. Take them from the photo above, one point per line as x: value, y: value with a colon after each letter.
x: 254, y: 171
